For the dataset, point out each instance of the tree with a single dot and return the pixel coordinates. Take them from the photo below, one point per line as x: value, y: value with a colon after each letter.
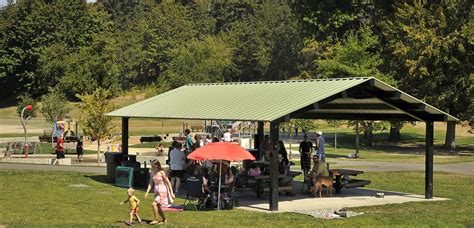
x: 54, y: 105
x: 94, y: 106
x: 355, y: 56
x: 266, y: 43
x: 199, y: 61
x: 430, y: 43
x: 27, y: 28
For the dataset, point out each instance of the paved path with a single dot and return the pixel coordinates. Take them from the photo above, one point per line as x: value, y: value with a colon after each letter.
x: 82, y: 169
x: 464, y: 168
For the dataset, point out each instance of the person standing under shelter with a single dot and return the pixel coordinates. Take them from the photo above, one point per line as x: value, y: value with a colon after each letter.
x: 320, y: 146
x: 305, y: 153
x: 265, y: 147
x: 227, y: 136
x: 189, y: 141
x: 177, y: 163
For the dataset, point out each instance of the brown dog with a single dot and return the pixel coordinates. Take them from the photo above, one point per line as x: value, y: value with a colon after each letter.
x: 318, y: 185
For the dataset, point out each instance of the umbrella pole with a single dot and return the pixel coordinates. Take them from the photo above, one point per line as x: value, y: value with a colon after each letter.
x: 219, y: 190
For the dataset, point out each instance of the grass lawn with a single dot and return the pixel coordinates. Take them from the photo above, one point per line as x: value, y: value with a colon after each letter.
x: 46, y: 198
x: 151, y: 145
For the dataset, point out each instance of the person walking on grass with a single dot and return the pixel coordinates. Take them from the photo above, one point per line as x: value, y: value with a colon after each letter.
x: 134, y: 203
x: 163, y: 192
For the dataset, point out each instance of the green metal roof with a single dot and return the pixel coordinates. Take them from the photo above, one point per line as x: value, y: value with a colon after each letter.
x: 343, y: 98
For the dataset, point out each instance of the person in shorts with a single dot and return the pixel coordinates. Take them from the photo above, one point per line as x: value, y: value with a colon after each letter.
x: 177, y: 164
x: 134, y: 203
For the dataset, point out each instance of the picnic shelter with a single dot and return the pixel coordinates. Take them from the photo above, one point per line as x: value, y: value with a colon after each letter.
x: 278, y: 101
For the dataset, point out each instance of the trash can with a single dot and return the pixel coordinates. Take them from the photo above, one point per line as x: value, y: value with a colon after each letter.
x: 141, y: 177
x: 124, y: 176
x: 112, y: 160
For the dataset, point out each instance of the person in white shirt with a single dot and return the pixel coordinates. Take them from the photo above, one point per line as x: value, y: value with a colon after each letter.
x: 177, y: 163
x: 227, y: 136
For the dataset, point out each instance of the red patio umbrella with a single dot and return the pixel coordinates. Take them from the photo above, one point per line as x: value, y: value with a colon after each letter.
x: 221, y: 151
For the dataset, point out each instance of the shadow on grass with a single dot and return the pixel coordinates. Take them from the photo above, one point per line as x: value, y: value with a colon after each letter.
x: 335, y: 156
x: 100, y: 178
x: 104, y: 179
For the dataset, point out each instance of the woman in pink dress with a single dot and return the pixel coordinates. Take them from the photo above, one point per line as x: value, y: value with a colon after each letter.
x: 163, y: 192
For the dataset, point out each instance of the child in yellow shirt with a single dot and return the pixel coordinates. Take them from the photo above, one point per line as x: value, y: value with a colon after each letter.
x: 134, y: 202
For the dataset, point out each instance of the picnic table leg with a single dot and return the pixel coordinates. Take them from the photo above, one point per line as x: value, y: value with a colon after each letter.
x: 338, y: 184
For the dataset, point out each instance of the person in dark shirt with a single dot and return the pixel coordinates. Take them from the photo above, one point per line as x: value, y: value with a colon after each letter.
x: 305, y: 149
x: 282, y: 151
x: 79, y: 150
x: 287, y: 180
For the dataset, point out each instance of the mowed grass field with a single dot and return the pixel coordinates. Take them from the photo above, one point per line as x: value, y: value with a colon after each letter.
x: 43, y: 198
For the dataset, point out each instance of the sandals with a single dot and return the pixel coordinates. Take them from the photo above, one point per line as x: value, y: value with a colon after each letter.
x: 155, y: 222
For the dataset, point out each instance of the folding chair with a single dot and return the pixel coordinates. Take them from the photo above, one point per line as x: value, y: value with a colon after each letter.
x: 194, y: 192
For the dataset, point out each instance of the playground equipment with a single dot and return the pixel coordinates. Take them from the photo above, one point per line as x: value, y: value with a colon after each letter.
x: 17, y: 147
x: 24, y: 122
x: 58, y: 128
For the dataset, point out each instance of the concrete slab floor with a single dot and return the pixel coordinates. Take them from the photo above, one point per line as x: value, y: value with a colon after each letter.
x: 353, y: 197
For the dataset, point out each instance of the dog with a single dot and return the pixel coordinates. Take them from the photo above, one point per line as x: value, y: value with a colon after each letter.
x: 320, y: 182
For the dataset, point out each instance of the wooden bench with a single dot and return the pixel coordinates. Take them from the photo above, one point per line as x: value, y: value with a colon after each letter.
x: 150, y: 139
x: 354, y: 183
x: 280, y: 188
x: 244, y: 189
x: 179, y: 139
x: 197, y: 128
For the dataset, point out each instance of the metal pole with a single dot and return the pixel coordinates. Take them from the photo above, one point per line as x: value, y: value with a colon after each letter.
x: 162, y: 130
x: 24, y: 122
x: 219, y: 190
x: 429, y: 161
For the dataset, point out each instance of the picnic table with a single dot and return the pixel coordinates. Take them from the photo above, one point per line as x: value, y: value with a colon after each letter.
x: 348, y: 183
x: 263, y: 182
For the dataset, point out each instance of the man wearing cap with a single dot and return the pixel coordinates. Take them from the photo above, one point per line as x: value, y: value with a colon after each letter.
x: 305, y: 153
x: 320, y: 146
x: 320, y: 168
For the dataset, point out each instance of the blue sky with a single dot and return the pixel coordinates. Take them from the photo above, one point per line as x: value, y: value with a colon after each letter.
x: 3, y: 2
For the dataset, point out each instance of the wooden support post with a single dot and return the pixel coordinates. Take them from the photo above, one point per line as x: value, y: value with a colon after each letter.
x: 429, y: 160
x: 125, y: 135
x: 357, y: 139
x: 260, y: 133
x: 274, y: 135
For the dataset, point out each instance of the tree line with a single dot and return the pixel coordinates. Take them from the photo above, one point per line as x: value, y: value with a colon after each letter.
x: 74, y: 47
